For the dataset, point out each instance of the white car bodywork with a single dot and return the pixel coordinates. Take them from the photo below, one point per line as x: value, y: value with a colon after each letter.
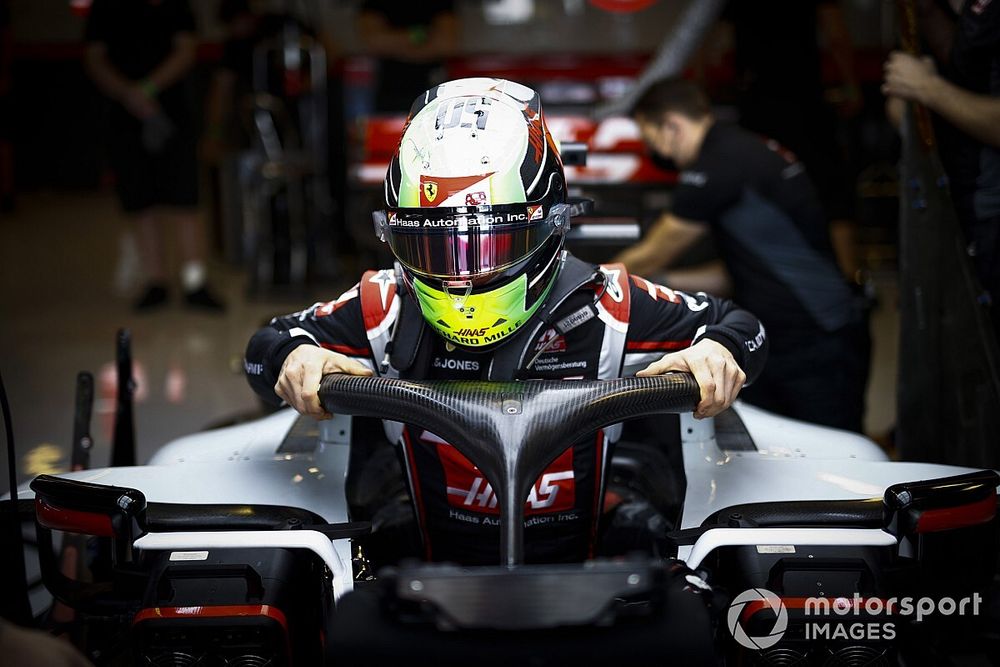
x: 242, y: 464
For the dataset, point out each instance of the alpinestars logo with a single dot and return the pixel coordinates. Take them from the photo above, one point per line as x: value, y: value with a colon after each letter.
x: 758, y: 599
x: 611, y: 284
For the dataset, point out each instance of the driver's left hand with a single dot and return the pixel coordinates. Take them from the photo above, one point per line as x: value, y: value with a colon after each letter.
x: 714, y: 368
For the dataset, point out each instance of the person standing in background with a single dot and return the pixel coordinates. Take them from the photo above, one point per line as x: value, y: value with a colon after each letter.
x: 411, y: 41
x: 965, y: 100
x: 139, y: 53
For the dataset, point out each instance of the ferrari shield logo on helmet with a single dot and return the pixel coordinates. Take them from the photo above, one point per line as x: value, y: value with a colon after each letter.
x: 430, y: 191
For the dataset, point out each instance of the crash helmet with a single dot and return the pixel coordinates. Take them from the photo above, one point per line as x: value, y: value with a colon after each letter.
x: 476, y: 209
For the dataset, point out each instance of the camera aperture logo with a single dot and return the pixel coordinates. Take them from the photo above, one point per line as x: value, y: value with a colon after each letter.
x: 757, y: 598
x: 836, y: 618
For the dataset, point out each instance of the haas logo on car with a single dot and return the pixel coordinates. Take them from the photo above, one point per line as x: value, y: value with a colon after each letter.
x: 467, y: 489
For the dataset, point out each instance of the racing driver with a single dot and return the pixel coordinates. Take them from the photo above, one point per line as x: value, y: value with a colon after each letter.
x: 476, y: 212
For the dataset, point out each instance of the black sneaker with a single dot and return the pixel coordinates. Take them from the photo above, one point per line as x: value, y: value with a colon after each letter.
x: 202, y: 299
x: 154, y: 297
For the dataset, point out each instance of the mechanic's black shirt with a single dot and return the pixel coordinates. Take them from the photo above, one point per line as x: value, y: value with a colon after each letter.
x: 455, y: 506
x: 770, y: 230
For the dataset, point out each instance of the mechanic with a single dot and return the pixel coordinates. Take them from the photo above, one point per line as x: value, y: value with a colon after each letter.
x: 965, y: 99
x: 772, y: 236
x: 476, y: 216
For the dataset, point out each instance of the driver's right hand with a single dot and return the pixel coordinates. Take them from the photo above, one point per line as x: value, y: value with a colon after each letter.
x: 304, y: 367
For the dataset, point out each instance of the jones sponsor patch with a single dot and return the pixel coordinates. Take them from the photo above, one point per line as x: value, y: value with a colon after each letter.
x: 456, y: 364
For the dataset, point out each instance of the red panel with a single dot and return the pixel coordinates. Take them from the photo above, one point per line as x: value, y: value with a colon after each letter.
x: 755, y: 606
x: 219, y: 611
x: 377, y: 290
x: 213, y: 612
x: 950, y: 518
x: 623, y: 6
x: 382, y: 136
x: 73, y: 521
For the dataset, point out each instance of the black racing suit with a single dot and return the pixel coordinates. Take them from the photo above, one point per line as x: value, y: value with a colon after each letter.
x: 634, y: 322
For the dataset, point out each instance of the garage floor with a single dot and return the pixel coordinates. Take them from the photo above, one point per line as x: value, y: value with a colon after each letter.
x: 64, y: 294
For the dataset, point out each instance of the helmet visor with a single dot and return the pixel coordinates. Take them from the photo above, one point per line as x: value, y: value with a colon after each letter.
x: 468, y: 243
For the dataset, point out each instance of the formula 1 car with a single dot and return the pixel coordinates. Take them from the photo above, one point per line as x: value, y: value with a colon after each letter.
x: 242, y: 546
